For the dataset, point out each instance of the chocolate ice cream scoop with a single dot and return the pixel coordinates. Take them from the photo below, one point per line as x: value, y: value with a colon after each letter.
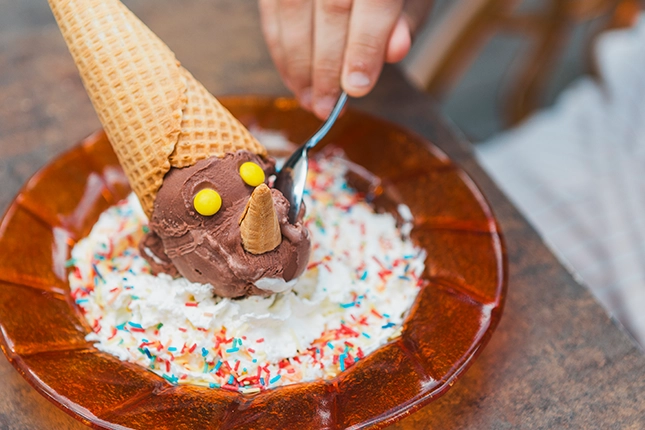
x: 210, y: 248
x: 212, y: 217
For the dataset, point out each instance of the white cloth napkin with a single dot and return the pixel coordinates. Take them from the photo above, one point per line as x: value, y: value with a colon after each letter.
x: 577, y: 172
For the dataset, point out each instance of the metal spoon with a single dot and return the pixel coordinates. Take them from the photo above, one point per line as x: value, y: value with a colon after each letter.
x: 293, y: 175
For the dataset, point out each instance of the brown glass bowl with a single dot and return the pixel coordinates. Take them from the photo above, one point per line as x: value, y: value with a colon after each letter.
x: 450, y: 322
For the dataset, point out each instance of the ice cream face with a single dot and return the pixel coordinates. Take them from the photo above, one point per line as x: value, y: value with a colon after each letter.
x: 195, y: 228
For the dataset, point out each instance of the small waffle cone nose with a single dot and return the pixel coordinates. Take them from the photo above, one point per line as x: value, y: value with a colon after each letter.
x: 155, y: 113
x: 259, y: 224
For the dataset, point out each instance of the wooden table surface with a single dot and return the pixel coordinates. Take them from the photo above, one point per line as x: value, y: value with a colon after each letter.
x: 556, y: 359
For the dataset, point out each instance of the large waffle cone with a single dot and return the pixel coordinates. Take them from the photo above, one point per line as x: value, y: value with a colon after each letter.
x: 208, y: 129
x: 154, y: 112
x: 259, y: 226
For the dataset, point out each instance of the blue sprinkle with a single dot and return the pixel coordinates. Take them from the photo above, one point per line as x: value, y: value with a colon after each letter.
x: 135, y: 297
x: 364, y: 276
x: 330, y: 345
x: 388, y: 325
x: 347, y: 305
x: 172, y: 349
x: 79, y: 301
x: 262, y: 380
x: 275, y: 379
x: 147, y: 353
x: 405, y: 278
x: 213, y: 385
x: 70, y: 262
x: 135, y: 324
x: 205, y: 367
x: 355, y: 359
x: 204, y: 352
x: 217, y: 366
x: 255, y: 360
x: 96, y: 269
x: 231, y: 350
x: 366, y: 335
x: 129, y: 287
x: 144, y: 340
x: 386, y: 315
x: 121, y: 326
x: 244, y: 370
x: 341, y: 359
x: 407, y: 257
x: 231, y: 379
x: 172, y: 379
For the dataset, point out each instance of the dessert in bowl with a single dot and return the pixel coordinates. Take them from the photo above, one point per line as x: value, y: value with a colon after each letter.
x: 454, y: 315
x: 453, y: 259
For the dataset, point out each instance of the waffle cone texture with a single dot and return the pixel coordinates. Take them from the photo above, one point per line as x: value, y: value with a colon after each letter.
x: 154, y: 112
x: 259, y: 226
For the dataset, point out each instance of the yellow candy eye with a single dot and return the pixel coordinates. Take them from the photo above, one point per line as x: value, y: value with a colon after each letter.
x: 207, y: 202
x: 252, y: 174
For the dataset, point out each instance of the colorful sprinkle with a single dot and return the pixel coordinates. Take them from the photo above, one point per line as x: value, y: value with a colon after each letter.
x: 275, y: 379
x: 200, y: 351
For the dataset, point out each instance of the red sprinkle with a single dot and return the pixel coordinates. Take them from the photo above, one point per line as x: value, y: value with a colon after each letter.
x: 314, y: 264
x: 260, y: 340
x: 191, y: 304
x: 251, y: 350
x: 192, y: 348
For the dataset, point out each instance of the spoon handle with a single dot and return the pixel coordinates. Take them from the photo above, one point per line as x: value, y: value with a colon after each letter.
x: 322, y: 131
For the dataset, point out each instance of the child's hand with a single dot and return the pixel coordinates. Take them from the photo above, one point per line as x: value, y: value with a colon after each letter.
x: 320, y: 45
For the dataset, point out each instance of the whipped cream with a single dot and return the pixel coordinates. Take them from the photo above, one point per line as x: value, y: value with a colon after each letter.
x: 363, y: 276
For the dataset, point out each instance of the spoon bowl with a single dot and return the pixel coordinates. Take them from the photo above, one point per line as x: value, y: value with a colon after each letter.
x: 292, y: 177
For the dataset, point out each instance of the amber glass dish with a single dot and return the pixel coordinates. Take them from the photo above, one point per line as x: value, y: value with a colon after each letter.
x: 452, y: 319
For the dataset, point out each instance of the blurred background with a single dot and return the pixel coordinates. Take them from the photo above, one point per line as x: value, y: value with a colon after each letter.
x: 492, y: 62
x: 473, y: 55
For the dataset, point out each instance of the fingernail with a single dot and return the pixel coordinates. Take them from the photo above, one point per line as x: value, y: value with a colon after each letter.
x: 358, y: 80
x: 324, y: 105
x: 305, y: 98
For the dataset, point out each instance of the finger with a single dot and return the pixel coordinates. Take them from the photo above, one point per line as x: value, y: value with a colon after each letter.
x: 296, y: 28
x: 399, y: 43
x: 270, y: 22
x: 371, y: 25
x: 331, y: 21
x: 415, y: 13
